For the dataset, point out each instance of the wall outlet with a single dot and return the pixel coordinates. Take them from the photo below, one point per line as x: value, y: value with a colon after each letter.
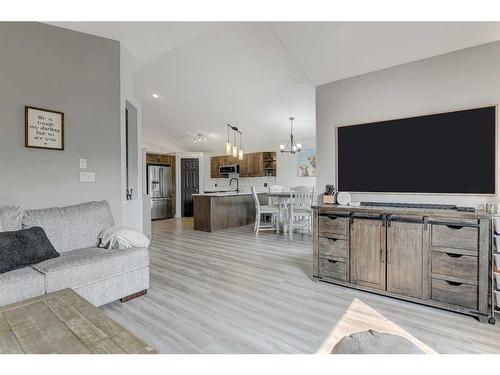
x: 265, y: 184
x: 87, y: 177
x: 83, y: 163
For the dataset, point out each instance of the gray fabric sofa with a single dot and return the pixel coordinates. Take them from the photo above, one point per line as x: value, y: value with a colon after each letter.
x: 99, y: 275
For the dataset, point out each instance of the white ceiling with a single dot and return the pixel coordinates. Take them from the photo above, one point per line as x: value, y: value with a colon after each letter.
x: 330, y: 51
x: 255, y: 75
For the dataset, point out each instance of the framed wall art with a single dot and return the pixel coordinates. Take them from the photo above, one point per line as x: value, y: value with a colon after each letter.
x: 306, y: 163
x: 44, y: 128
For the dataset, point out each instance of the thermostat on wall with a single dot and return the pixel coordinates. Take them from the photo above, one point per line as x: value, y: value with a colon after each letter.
x: 87, y: 177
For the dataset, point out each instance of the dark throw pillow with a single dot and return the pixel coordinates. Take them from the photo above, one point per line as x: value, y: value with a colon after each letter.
x: 24, y: 247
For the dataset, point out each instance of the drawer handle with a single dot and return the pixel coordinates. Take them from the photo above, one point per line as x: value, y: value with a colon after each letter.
x: 332, y: 261
x: 453, y: 283
x: 333, y: 217
x: 332, y: 239
x: 452, y: 255
x: 454, y: 226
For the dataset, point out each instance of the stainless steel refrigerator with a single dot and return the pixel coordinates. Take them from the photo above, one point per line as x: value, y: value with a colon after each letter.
x: 160, y: 191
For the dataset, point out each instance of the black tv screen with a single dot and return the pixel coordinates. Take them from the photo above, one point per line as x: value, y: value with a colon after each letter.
x: 451, y: 152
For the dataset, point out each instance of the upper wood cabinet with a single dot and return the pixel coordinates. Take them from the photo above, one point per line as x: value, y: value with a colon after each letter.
x: 152, y: 158
x: 254, y: 164
x: 214, y: 167
x: 162, y: 159
x: 244, y: 166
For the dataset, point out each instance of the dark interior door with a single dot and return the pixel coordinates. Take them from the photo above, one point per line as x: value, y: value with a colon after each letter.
x: 190, y: 184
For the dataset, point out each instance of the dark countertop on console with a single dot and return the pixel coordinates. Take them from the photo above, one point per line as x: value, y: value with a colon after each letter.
x: 479, y: 214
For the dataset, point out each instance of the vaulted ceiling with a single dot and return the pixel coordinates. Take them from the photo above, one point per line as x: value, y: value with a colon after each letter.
x: 256, y: 74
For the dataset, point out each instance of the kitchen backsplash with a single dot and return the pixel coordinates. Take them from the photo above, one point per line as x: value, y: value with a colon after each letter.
x: 245, y: 183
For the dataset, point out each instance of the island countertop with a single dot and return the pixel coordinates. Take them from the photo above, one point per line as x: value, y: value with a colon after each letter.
x: 224, y: 194
x: 216, y: 211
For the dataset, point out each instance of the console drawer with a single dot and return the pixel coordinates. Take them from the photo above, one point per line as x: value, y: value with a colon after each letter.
x: 457, y: 265
x: 333, y: 269
x: 455, y: 236
x: 332, y: 248
x: 331, y: 226
x: 454, y: 293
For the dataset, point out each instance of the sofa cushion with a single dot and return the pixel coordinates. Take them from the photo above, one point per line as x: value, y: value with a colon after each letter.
x: 10, y: 218
x: 80, y: 267
x: 71, y: 227
x: 24, y: 247
x: 118, y: 237
x: 20, y: 284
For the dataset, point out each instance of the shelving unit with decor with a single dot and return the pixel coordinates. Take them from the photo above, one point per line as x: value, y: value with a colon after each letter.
x: 495, y: 268
x: 269, y: 161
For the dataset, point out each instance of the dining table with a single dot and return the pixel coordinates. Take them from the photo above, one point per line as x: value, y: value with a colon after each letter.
x: 283, y: 198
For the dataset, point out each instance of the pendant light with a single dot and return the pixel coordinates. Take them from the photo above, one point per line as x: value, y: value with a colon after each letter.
x: 240, y: 154
x: 232, y: 148
x: 291, y: 147
x: 228, y: 144
x: 235, y: 148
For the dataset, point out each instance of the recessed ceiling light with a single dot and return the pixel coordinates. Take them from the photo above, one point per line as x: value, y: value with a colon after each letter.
x: 155, y: 95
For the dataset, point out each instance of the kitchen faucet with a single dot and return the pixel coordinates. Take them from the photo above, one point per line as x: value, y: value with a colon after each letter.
x: 237, y: 183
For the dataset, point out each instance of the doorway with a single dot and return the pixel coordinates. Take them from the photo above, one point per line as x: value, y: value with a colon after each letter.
x: 190, y: 184
x: 131, y: 153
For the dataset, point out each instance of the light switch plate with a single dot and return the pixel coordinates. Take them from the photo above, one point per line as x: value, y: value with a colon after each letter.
x: 87, y: 177
x: 83, y: 163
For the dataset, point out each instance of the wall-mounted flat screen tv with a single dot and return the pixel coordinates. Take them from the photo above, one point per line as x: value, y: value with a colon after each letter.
x: 445, y: 153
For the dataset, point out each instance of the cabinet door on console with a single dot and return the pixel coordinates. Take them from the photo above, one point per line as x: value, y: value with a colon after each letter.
x: 405, y: 259
x: 368, y: 253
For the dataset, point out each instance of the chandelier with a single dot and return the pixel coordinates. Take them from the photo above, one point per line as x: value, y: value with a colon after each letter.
x: 291, y: 146
x: 232, y: 149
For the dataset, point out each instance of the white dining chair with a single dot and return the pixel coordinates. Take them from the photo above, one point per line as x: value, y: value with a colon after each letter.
x: 299, y: 210
x: 267, y: 210
x: 278, y: 201
x: 274, y: 201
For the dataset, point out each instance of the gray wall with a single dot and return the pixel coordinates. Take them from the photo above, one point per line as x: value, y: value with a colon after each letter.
x: 458, y: 80
x: 78, y: 74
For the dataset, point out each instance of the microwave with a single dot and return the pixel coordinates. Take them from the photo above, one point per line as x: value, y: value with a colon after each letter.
x: 226, y: 169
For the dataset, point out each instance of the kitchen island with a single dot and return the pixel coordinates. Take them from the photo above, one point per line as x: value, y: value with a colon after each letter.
x: 216, y: 211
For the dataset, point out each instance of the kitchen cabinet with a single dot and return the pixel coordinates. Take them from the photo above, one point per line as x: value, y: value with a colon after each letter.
x: 215, y: 163
x: 217, y: 211
x: 152, y: 158
x: 254, y: 164
x: 244, y: 166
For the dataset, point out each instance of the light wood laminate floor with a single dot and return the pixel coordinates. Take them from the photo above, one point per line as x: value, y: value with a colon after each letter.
x: 233, y: 292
